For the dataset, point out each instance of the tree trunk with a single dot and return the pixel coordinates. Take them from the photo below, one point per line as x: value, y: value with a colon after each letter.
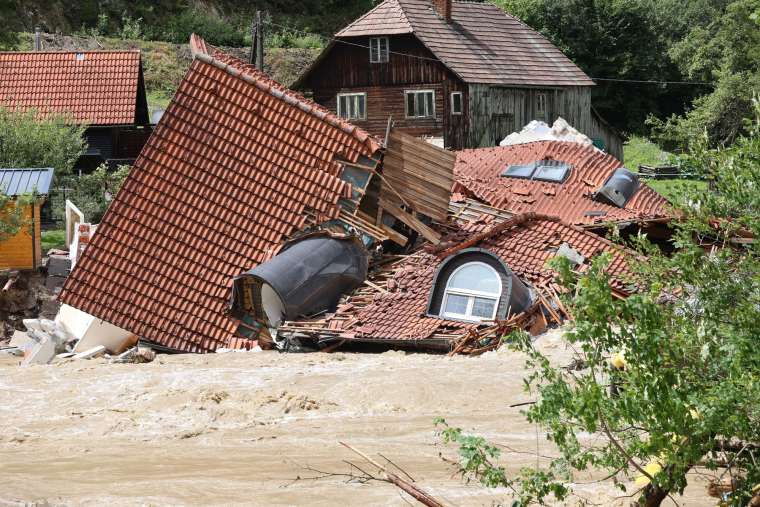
x: 653, y: 496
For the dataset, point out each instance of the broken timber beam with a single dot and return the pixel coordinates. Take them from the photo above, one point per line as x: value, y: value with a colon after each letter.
x: 413, y: 222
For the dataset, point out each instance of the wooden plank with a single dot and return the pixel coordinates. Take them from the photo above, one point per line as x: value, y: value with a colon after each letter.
x: 424, y: 146
x: 381, y: 232
x: 431, y: 211
x: 414, y: 223
x: 419, y: 192
x: 422, y: 149
x: 412, y: 166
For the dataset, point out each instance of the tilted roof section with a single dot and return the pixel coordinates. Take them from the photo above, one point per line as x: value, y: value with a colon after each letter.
x: 94, y: 87
x: 482, y: 44
x: 15, y: 182
x: 478, y: 173
x: 525, y: 243
x: 236, y: 165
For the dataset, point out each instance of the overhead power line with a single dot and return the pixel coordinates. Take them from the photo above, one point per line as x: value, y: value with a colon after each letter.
x: 419, y: 57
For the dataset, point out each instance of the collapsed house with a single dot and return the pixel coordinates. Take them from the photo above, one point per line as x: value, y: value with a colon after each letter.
x: 569, y: 179
x: 486, y: 278
x: 238, y: 165
x: 254, y: 216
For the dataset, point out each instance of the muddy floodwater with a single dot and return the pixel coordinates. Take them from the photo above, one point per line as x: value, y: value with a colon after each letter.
x: 242, y: 428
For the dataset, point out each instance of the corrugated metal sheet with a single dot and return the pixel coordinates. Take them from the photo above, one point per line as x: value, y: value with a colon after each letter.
x: 15, y: 182
x: 478, y: 173
x: 95, y: 87
x: 236, y: 165
x: 483, y: 44
x: 418, y: 174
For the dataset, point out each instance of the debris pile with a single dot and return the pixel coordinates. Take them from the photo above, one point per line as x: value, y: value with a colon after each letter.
x: 257, y: 219
x: 45, y: 341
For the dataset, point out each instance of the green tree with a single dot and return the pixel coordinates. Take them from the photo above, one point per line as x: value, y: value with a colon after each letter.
x: 94, y: 192
x: 29, y: 141
x: 725, y: 51
x: 616, y: 39
x: 670, y: 376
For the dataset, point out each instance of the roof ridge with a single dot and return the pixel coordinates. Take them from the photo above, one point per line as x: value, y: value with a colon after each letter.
x: 372, y: 11
x: 283, y: 93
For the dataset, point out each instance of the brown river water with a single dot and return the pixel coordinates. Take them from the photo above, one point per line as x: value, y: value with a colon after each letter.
x: 242, y: 428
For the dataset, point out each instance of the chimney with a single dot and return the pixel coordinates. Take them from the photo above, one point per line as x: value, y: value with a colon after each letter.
x: 443, y: 7
x: 37, y: 39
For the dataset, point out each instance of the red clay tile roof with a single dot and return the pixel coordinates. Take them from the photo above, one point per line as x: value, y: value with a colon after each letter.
x: 95, y: 87
x: 478, y: 172
x: 231, y: 170
x: 524, y: 243
x: 483, y: 44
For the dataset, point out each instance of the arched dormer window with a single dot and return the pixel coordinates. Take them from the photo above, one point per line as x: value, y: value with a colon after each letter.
x: 475, y: 285
x: 472, y: 293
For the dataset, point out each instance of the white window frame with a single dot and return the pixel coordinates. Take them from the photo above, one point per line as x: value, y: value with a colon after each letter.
x: 350, y: 96
x: 471, y: 295
x: 376, y: 54
x: 417, y: 93
x: 542, y: 99
x: 461, y: 104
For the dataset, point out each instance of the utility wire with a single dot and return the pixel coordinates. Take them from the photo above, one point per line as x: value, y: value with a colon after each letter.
x: 409, y: 55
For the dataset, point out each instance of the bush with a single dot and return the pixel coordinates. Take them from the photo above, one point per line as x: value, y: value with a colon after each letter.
x: 131, y: 29
x: 29, y: 141
x: 92, y: 193
x: 291, y: 38
x: 215, y: 30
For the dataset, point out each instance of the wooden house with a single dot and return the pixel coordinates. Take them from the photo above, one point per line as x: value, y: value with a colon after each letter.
x: 102, y: 90
x: 24, y: 249
x: 465, y: 74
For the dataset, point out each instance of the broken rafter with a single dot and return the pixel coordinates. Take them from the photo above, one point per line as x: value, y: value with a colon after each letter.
x: 413, y: 222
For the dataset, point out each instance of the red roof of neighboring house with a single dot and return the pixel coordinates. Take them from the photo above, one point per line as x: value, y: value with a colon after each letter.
x: 525, y: 243
x: 478, y: 172
x: 95, y: 87
x: 236, y: 165
x: 482, y: 44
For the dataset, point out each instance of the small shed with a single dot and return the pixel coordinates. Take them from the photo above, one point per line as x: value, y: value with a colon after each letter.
x: 24, y: 250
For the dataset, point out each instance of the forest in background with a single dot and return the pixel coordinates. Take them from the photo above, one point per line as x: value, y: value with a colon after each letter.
x: 666, y: 69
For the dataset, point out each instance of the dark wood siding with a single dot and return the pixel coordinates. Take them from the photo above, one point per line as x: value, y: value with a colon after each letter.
x: 348, y: 66
x: 347, y: 69
x: 386, y: 101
